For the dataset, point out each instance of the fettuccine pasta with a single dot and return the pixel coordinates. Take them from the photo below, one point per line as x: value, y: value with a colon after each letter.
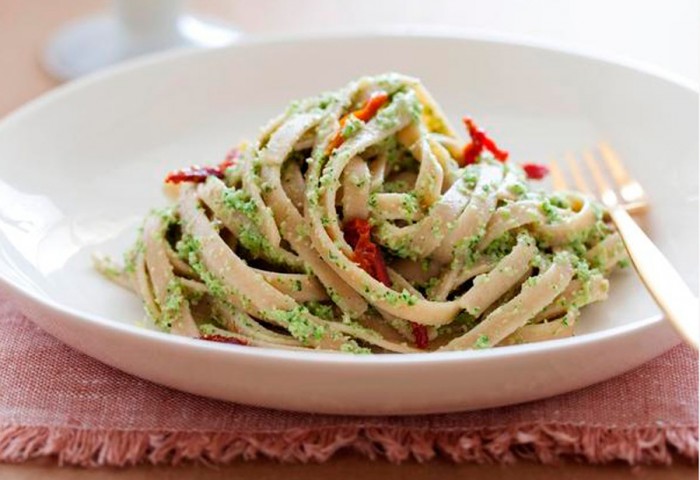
x: 359, y: 221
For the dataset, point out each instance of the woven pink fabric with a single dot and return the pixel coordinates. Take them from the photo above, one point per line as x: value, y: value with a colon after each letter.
x: 57, y: 402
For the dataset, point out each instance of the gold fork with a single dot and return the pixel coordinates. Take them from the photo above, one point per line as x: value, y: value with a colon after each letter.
x: 668, y: 289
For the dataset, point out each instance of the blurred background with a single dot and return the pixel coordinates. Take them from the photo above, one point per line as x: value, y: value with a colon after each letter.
x: 661, y: 34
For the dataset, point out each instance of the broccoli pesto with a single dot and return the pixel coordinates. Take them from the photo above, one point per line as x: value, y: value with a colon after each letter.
x: 360, y: 221
x: 299, y: 324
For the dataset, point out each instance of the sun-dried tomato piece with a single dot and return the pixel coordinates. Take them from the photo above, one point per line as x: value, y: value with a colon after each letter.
x: 366, y: 113
x: 470, y: 153
x: 197, y: 174
x: 535, y: 171
x: 480, y: 141
x: 365, y: 252
x: 369, y: 257
x: 193, y: 174
x: 223, y: 339
x: 354, y: 229
x: 420, y: 335
x: 372, y: 106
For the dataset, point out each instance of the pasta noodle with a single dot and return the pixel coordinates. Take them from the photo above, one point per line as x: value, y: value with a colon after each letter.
x: 359, y: 221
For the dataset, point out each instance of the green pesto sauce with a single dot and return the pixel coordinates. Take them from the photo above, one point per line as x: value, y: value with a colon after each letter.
x: 409, y: 203
x: 400, y: 298
x: 570, y: 313
x: 302, y: 231
x: 168, y: 216
x: 240, y: 201
x: 399, y: 246
x: 174, y: 299
x: 578, y: 247
x: 467, y: 320
x: 466, y: 249
x: 132, y: 254
x: 390, y: 146
x: 415, y: 108
x: 549, y: 210
x: 388, y: 117
x: 583, y: 271
x: 298, y: 323
x: 482, y: 342
x: 470, y: 176
x: 358, y: 182
x: 372, y: 200
x: 351, y: 127
x: 208, y: 329
x: 327, y: 178
x: 320, y: 310
x: 214, y: 285
x: 501, y: 246
x: 109, y: 269
x: 188, y: 249
x: 430, y: 285
x: 624, y: 263
x: 559, y: 201
x: 517, y: 189
x: 252, y: 240
x: 258, y: 246
x: 334, y: 296
x: 351, y: 346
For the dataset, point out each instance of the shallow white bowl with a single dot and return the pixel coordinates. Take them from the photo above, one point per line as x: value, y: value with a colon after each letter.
x: 80, y: 167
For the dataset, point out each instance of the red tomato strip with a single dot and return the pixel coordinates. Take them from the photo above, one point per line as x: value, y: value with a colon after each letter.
x: 369, y: 257
x: 420, y: 334
x: 365, y: 252
x: 223, y: 339
x: 374, y: 103
x: 366, y: 113
x: 535, y: 171
x: 197, y: 174
x: 480, y: 141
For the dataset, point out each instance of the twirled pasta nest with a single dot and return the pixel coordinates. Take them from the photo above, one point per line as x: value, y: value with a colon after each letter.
x: 359, y: 221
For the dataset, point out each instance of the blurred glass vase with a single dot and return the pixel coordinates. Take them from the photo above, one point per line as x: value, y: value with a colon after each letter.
x: 131, y: 28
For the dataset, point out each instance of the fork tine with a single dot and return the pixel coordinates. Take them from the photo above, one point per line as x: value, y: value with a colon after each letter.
x: 598, y: 177
x: 558, y: 180
x: 579, y: 179
x: 631, y: 191
x: 607, y: 194
x: 617, y: 170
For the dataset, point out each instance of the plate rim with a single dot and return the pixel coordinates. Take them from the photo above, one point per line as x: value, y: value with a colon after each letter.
x: 303, y: 356
x: 378, y: 33
x: 385, y: 32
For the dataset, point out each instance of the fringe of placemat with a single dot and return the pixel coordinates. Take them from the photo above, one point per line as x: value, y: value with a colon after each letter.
x: 545, y: 444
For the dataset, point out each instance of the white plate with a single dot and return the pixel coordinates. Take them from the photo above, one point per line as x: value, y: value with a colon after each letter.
x: 81, y: 166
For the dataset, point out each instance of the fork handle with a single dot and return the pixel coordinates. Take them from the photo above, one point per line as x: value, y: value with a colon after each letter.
x: 670, y: 292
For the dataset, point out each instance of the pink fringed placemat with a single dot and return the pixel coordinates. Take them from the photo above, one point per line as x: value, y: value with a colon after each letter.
x: 57, y: 402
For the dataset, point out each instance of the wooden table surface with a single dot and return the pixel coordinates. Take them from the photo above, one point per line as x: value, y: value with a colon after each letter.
x: 24, y: 28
